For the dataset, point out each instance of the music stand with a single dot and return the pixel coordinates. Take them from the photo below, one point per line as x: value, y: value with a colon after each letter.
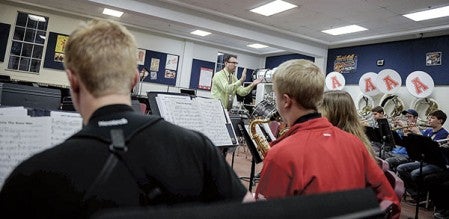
x: 423, y: 149
x: 386, y: 135
x: 373, y: 134
x: 256, y: 158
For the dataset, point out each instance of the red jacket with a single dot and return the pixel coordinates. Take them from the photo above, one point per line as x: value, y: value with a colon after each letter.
x: 316, y: 157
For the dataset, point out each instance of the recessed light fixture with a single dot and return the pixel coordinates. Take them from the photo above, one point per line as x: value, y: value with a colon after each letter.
x: 200, y: 33
x: 274, y: 7
x: 257, y: 46
x: 36, y: 18
x: 428, y: 14
x: 112, y: 12
x: 344, y: 30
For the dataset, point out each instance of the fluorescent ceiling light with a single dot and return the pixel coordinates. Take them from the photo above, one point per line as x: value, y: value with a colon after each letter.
x: 257, y: 46
x: 112, y: 12
x: 200, y: 33
x: 36, y: 18
x: 274, y: 7
x: 428, y: 14
x: 344, y: 30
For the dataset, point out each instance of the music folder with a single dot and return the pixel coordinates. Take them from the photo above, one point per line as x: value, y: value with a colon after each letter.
x: 386, y: 134
x: 423, y: 148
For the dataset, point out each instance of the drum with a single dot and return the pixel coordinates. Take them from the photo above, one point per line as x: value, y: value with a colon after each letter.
x: 259, y: 73
x: 266, y: 109
x: 269, y: 75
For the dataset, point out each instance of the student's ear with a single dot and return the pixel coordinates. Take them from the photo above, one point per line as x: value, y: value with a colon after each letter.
x: 286, y: 101
x: 136, y: 79
x: 73, y: 80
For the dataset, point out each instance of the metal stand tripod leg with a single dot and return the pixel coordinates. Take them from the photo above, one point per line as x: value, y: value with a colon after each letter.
x: 419, y: 184
x: 251, y: 176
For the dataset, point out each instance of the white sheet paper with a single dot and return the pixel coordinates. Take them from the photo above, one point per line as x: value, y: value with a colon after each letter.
x: 199, y: 114
x: 20, y: 138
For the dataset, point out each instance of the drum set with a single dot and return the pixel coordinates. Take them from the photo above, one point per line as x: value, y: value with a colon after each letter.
x: 265, y: 74
x: 266, y: 109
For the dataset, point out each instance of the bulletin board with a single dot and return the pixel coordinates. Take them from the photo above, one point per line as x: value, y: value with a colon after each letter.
x: 54, y: 55
x: 199, y: 68
x: 4, y: 34
x: 162, y: 67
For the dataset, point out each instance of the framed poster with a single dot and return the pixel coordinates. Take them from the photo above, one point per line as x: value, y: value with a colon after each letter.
x: 205, y: 78
x: 140, y: 56
x: 345, y: 63
x: 172, y: 62
x: 433, y: 58
x: 154, y: 66
x: 54, y: 55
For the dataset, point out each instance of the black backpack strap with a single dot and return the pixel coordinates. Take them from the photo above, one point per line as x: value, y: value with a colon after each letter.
x: 118, y: 137
x: 118, y: 144
x: 134, y: 124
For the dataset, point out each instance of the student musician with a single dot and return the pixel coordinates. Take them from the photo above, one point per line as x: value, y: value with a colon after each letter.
x: 159, y: 163
x: 399, y: 154
x: 409, y: 172
x: 313, y: 153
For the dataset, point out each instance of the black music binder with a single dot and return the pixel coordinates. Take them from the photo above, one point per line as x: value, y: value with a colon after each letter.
x: 373, y: 134
x: 386, y: 135
x: 424, y: 149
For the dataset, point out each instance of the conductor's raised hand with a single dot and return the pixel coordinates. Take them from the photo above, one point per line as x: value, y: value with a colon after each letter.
x: 243, y: 77
x: 257, y: 81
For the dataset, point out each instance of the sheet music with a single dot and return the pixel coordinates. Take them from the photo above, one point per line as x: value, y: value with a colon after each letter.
x: 64, y: 125
x: 199, y: 114
x: 213, y: 120
x: 13, y: 111
x: 20, y: 138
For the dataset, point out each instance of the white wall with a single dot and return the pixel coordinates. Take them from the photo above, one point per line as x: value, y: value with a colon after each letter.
x: 187, y: 50
x: 57, y: 23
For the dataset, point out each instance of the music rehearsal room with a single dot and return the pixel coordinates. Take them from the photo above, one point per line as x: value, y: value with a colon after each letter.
x: 224, y: 109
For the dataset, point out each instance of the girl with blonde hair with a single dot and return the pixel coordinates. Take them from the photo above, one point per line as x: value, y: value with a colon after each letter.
x: 338, y: 107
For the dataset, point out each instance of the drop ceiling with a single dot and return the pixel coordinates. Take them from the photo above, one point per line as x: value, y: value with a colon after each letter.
x: 233, y: 26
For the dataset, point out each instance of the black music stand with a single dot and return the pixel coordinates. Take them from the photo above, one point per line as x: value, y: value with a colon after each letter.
x: 386, y: 135
x: 256, y: 158
x: 423, y: 149
x: 373, y: 134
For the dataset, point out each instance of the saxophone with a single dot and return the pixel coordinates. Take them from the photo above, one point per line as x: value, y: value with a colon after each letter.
x: 262, y: 143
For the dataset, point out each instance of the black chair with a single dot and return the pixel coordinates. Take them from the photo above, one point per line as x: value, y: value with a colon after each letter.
x: 348, y: 204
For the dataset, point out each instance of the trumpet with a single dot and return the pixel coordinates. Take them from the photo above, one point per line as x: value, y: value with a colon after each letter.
x: 420, y: 126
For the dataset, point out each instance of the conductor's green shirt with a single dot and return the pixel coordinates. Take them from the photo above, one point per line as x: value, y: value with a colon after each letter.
x: 225, y: 86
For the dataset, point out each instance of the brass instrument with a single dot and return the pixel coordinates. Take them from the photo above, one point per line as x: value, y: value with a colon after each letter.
x: 398, y: 105
x: 366, y: 110
x: 428, y: 104
x: 420, y: 126
x: 433, y: 106
x: 261, y: 142
x: 264, y: 112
